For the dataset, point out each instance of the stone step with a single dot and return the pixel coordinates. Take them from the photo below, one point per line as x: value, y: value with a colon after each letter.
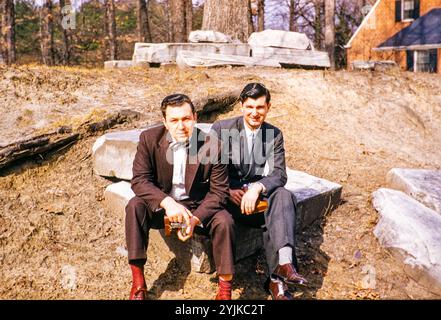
x: 280, y: 39
x: 188, y: 59
x: 423, y: 185
x: 167, y: 52
x: 292, y: 57
x: 411, y: 232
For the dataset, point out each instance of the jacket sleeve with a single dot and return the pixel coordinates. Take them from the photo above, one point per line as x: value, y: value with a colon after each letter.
x: 277, y: 175
x: 143, y: 176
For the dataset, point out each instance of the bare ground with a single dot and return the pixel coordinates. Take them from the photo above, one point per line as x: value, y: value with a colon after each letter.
x: 350, y: 128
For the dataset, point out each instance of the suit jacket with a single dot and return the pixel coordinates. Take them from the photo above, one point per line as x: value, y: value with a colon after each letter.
x: 206, y: 184
x: 268, y: 146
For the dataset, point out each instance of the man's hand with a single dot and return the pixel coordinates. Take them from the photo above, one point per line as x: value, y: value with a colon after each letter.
x: 249, y: 199
x: 175, y: 211
x: 194, y: 221
x: 236, y: 196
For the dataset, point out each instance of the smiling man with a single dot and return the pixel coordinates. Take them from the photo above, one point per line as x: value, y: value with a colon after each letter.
x: 256, y: 165
x: 170, y: 178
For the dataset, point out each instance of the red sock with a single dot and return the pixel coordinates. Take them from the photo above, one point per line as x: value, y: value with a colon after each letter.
x: 138, y: 274
x: 225, y: 287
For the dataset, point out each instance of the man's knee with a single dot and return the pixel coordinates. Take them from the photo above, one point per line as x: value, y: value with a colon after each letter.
x: 223, y: 220
x: 135, y: 205
x: 282, y: 192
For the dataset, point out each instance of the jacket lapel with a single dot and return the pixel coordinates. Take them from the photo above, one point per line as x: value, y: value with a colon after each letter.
x: 165, y: 166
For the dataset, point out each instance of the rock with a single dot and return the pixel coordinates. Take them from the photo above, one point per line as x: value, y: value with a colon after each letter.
x: 374, y: 65
x: 120, y: 64
x: 187, y: 59
x: 167, y: 52
x: 68, y: 277
x: 208, y: 36
x: 422, y: 185
x: 292, y: 57
x: 411, y: 232
x: 281, y: 39
x: 315, y: 196
x: 113, y: 154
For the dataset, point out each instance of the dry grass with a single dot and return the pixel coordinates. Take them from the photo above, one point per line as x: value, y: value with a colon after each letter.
x: 350, y: 128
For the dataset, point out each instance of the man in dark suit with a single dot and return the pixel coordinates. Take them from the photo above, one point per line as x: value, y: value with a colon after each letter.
x: 172, y: 177
x: 255, y: 152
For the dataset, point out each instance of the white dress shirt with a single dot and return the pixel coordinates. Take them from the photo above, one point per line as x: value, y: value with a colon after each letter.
x: 179, y: 163
x: 251, y: 135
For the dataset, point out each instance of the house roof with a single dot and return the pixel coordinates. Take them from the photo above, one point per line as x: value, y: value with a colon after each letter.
x: 423, y: 33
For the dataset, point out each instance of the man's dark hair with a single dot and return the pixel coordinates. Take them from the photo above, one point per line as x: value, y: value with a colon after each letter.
x: 255, y: 91
x: 175, y: 100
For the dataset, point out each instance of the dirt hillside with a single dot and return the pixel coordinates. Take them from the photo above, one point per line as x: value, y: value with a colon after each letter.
x: 58, y: 241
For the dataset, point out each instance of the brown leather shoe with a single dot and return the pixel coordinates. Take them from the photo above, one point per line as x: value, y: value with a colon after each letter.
x: 279, y: 290
x: 288, y: 274
x: 138, y: 293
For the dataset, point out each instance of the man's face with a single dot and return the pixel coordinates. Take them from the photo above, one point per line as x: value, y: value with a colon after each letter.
x: 254, y: 111
x: 180, y: 121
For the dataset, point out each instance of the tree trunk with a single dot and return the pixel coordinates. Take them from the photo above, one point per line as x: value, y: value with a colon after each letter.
x: 143, y: 25
x: 7, y: 34
x: 318, y: 6
x: 260, y: 15
x: 330, y: 30
x: 189, y: 16
x: 111, y: 29
x: 47, y: 33
x: 182, y: 19
x: 231, y: 17
x: 65, y: 37
x: 292, y: 16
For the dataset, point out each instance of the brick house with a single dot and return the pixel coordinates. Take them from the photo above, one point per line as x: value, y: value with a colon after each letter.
x: 405, y: 31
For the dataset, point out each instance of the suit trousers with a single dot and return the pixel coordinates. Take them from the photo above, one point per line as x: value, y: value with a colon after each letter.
x: 277, y: 223
x: 140, y: 219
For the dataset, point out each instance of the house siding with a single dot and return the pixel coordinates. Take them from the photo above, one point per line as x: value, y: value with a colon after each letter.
x: 380, y: 27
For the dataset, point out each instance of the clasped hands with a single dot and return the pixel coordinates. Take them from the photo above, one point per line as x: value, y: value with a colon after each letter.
x: 178, y: 213
x: 246, y: 200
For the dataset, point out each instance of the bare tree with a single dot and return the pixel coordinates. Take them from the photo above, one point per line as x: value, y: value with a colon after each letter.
x: 66, y: 51
x: 318, y: 23
x: 231, y: 17
x: 143, y: 24
x: 111, y: 29
x: 330, y: 30
x: 47, y: 33
x: 7, y: 34
x: 260, y: 15
x: 181, y: 12
x: 292, y: 15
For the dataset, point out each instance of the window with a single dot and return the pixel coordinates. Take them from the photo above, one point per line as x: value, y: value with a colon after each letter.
x: 408, y: 7
x: 406, y: 10
x: 422, y: 60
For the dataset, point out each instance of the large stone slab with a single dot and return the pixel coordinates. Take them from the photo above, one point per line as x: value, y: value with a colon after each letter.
x: 292, y: 57
x: 188, y: 59
x: 315, y: 196
x: 167, y: 52
x: 281, y: 39
x: 411, y: 232
x: 197, y: 36
x: 423, y: 185
x: 113, y: 153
